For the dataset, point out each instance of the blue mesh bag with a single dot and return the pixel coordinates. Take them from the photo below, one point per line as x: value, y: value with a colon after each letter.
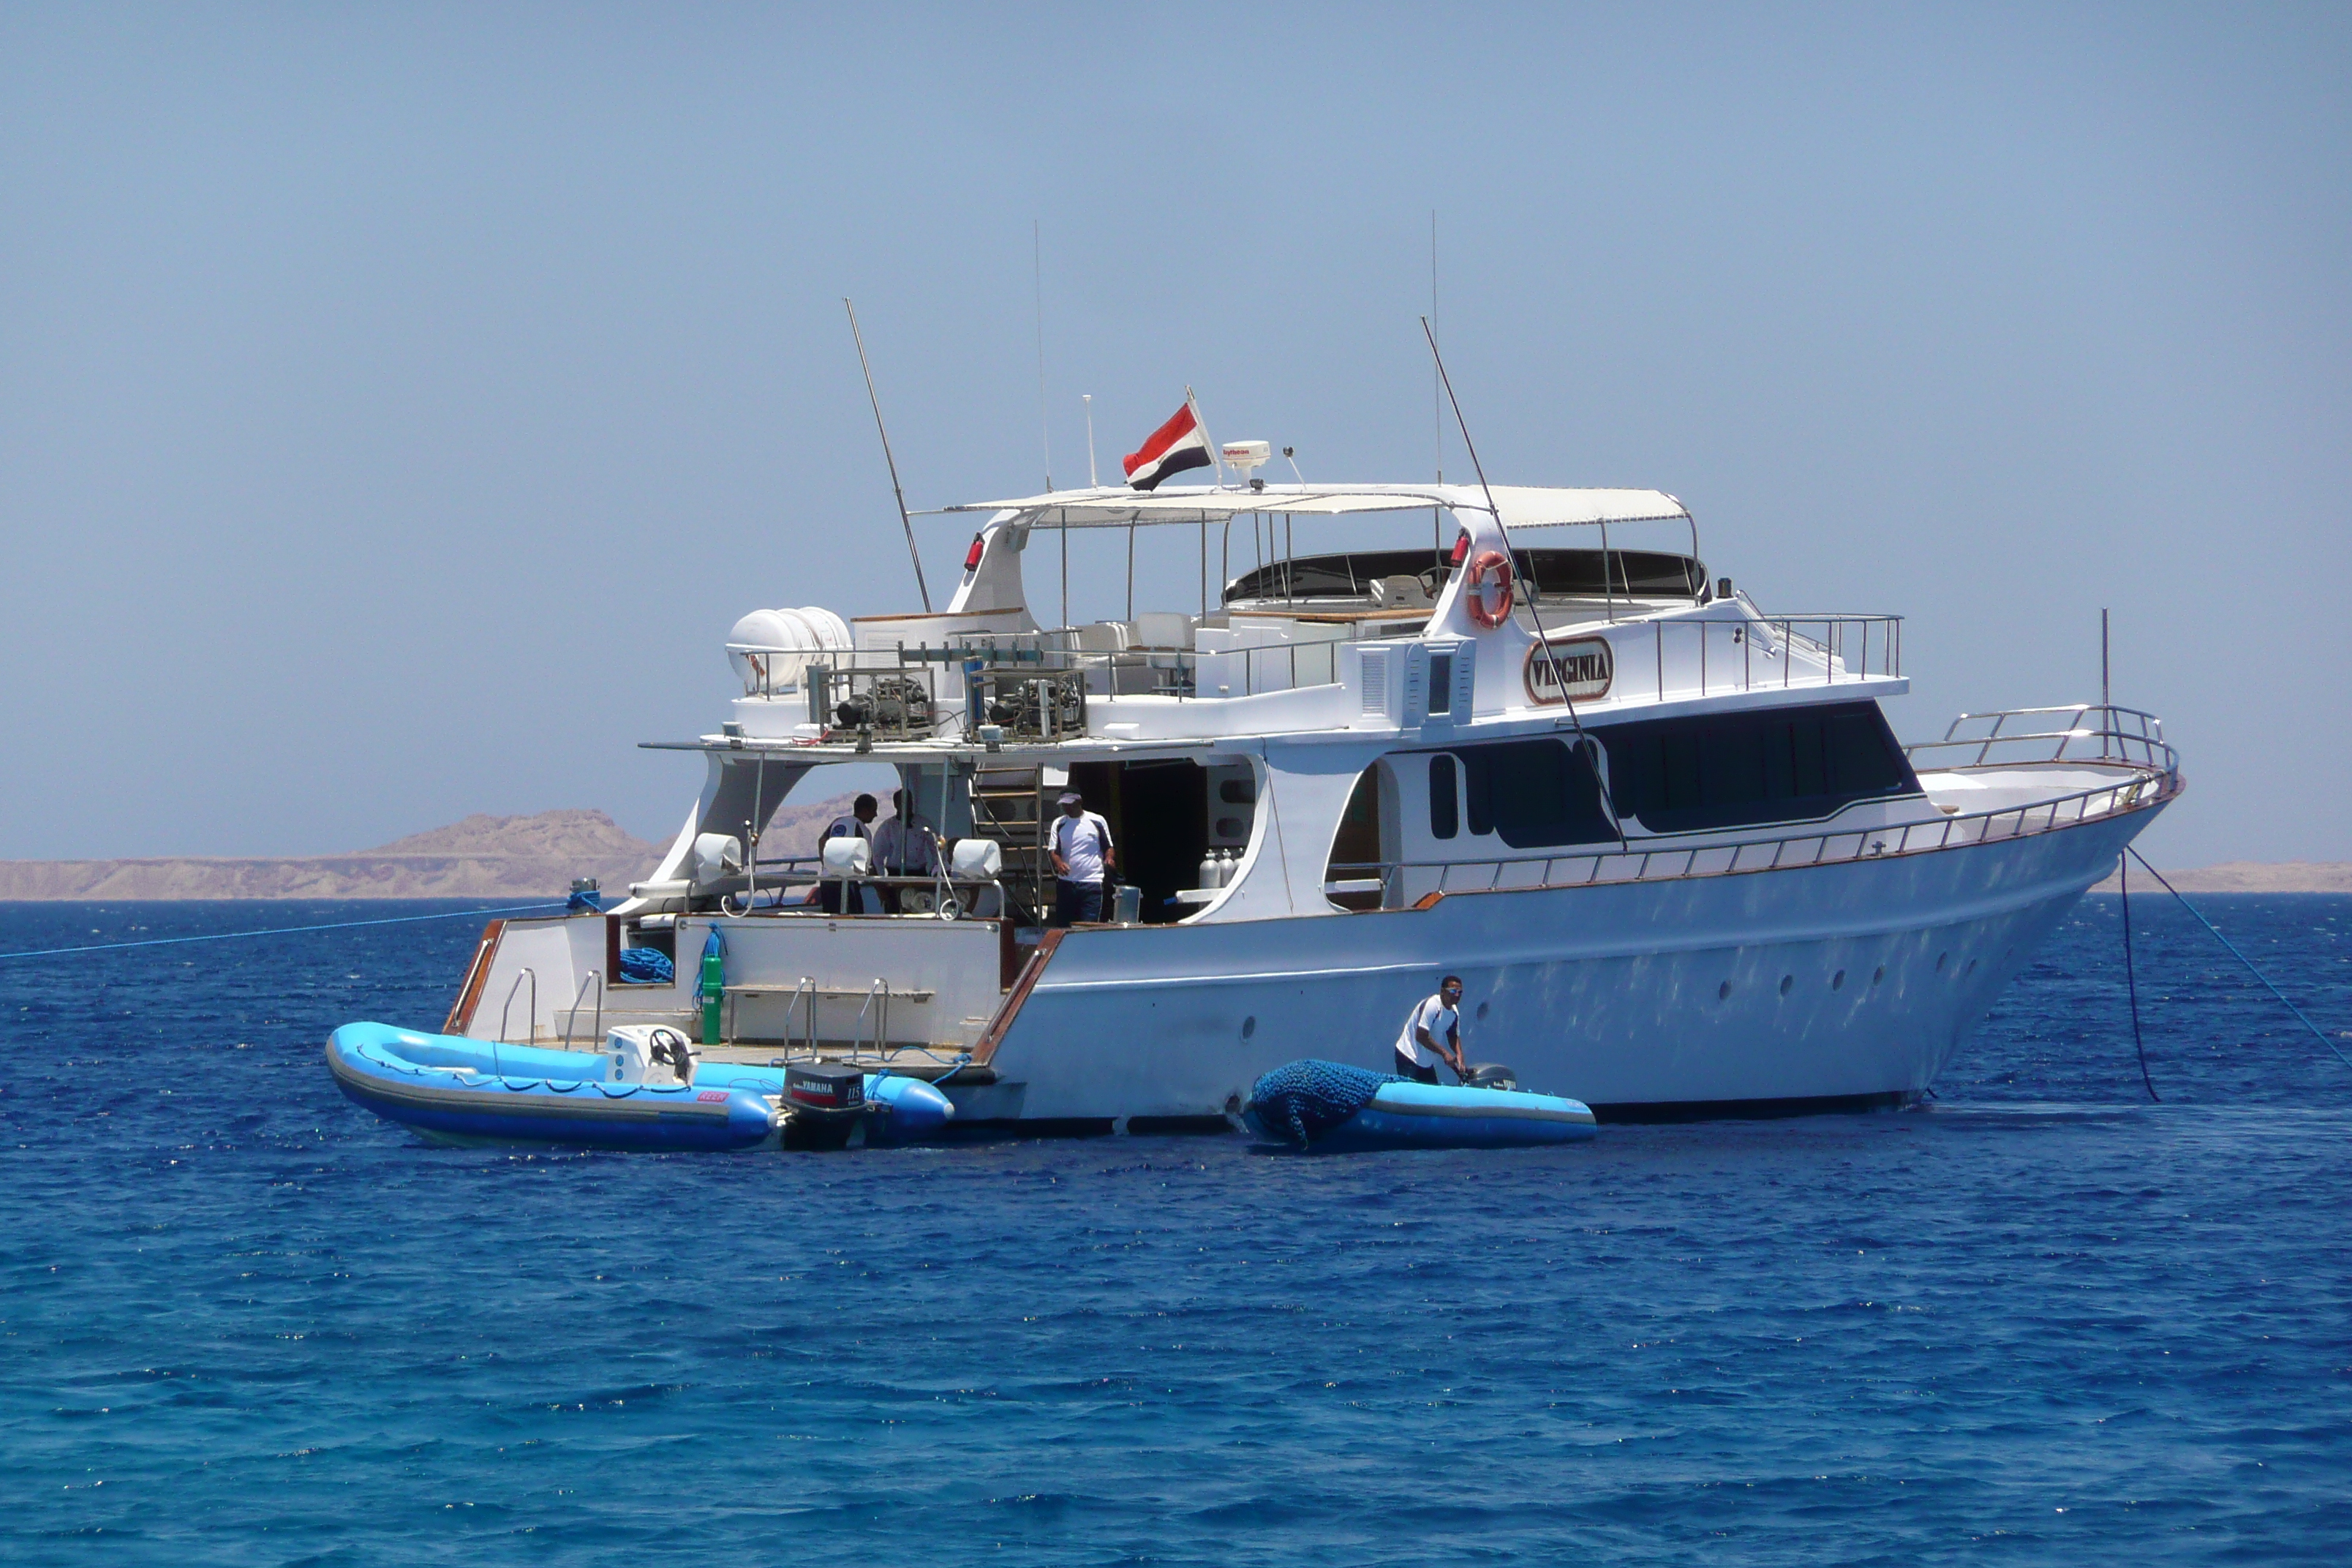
x: 1300, y: 1101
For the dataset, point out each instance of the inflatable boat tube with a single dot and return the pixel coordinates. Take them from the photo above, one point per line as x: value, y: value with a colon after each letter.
x: 1332, y: 1108
x: 457, y: 1090
x: 1437, y: 1116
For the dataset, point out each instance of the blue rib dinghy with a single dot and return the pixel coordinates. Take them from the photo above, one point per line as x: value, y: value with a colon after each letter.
x: 1323, y: 1106
x: 458, y: 1090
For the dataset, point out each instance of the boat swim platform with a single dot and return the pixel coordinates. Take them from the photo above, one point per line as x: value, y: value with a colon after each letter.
x: 932, y: 1064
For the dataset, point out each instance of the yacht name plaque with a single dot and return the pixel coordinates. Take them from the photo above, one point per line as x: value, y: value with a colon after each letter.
x: 1585, y: 663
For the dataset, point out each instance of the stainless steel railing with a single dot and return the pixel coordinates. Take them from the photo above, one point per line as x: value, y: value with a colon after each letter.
x: 2081, y: 731
x: 1698, y: 657
x: 526, y: 973
x: 572, y: 1019
x: 1639, y: 863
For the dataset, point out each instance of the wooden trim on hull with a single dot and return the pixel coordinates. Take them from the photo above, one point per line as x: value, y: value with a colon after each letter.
x: 477, y: 975
x: 985, y: 1050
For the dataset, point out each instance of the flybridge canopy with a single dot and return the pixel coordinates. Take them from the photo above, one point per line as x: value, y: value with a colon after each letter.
x: 1520, y: 506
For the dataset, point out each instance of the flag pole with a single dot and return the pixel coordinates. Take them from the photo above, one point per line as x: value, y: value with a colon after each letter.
x: 905, y: 521
x: 1216, y: 455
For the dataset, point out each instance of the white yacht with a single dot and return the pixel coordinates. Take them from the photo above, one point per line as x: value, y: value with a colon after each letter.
x: 1668, y: 839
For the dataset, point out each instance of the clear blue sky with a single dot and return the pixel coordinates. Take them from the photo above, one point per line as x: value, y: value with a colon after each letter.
x: 397, y: 405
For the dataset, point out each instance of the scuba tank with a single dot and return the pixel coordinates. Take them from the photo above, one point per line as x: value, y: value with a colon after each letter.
x: 713, y: 986
x: 1206, y: 875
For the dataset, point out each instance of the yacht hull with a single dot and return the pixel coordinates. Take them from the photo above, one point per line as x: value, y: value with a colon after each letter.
x: 1825, y: 987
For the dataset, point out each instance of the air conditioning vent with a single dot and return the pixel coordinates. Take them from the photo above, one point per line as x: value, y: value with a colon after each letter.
x: 1376, y: 680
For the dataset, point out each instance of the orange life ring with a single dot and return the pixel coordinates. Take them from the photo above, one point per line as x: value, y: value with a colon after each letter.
x: 1488, y: 564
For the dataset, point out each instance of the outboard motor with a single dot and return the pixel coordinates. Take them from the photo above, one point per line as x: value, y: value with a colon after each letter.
x: 826, y: 1104
x: 1490, y: 1075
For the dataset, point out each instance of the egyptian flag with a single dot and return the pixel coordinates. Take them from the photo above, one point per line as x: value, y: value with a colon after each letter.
x: 1178, y: 445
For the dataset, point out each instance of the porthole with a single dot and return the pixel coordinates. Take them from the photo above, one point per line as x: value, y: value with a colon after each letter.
x: 1786, y: 981
x: 1249, y: 1026
x: 1482, y: 1011
x: 1971, y: 969
x: 1723, y: 992
x: 1837, y: 981
x: 1939, y: 962
x: 1878, y: 975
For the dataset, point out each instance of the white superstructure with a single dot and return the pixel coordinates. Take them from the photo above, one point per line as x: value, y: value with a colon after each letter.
x: 1668, y: 839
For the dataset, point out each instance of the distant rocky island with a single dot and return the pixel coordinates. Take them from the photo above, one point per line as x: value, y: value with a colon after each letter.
x: 2247, y: 877
x: 481, y: 858
x: 531, y: 857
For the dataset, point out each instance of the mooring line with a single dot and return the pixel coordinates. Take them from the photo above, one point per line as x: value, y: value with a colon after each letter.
x: 2242, y: 958
x: 276, y: 931
x: 2131, y: 983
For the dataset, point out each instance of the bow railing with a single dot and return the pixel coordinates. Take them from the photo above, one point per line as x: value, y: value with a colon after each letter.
x: 2075, y: 733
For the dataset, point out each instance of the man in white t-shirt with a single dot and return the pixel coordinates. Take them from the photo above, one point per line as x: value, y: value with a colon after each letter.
x: 1083, y: 855
x: 1432, y: 1034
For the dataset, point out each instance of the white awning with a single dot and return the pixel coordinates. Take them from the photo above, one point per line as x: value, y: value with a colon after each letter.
x: 1521, y: 506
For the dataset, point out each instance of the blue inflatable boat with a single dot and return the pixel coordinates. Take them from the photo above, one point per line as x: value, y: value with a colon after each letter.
x: 1332, y: 1108
x: 457, y: 1090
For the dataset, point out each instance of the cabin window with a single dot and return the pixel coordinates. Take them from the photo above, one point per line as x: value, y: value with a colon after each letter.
x: 1532, y: 795
x: 1357, y: 873
x: 1737, y: 770
x: 1444, y: 802
x: 1441, y: 683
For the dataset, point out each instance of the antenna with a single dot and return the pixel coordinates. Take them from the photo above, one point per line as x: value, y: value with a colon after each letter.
x: 904, y: 520
x: 1436, y: 409
x: 1037, y: 280
x: 2104, y: 698
x: 1543, y: 637
x: 1088, y: 399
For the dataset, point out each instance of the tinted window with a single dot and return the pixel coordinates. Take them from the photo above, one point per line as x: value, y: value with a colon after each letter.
x: 1441, y: 683
x: 1731, y: 770
x: 1533, y: 794
x: 1445, y: 810
x: 1555, y: 572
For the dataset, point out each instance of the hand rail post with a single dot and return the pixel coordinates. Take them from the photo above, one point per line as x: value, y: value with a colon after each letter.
x: 526, y: 973
x: 571, y: 1018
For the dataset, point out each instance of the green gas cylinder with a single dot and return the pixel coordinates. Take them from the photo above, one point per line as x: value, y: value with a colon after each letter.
x: 714, y: 985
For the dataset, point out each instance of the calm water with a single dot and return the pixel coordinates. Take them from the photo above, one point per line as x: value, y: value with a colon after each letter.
x: 243, y: 1323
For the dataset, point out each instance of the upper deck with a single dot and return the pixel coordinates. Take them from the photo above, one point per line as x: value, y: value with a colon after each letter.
x: 1496, y: 628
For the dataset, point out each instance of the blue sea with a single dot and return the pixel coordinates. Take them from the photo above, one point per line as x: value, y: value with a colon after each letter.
x: 2042, y: 1320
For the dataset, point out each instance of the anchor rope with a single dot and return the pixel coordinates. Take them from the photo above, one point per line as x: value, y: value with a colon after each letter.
x: 277, y: 931
x: 2131, y: 985
x: 2242, y: 958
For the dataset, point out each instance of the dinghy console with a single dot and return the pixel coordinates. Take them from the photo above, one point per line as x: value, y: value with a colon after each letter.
x: 650, y: 1054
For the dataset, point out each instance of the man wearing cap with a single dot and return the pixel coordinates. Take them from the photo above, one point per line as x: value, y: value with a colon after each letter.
x: 1083, y: 855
